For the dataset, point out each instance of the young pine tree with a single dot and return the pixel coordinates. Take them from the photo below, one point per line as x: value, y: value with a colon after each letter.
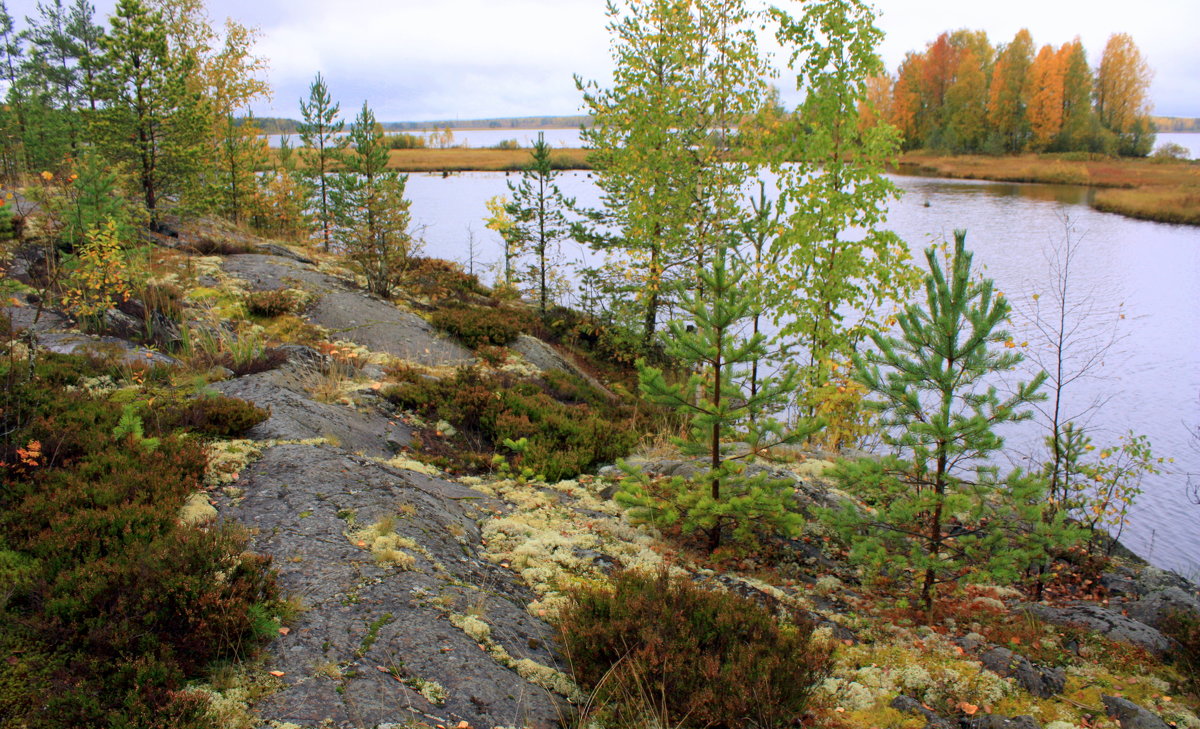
x: 936, y: 507
x: 369, y: 209
x: 537, y: 209
x: 321, y: 144
x: 719, y: 410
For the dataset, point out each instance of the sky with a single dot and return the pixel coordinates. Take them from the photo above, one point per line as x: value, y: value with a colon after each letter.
x: 416, y: 60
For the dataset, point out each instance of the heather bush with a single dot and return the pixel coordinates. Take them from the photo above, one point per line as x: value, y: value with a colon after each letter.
x: 475, y: 326
x: 214, y: 415
x: 273, y: 303
x: 563, y: 438
x: 692, y: 657
x: 110, y: 604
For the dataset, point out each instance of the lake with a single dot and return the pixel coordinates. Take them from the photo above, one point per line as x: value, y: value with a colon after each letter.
x: 1151, y: 270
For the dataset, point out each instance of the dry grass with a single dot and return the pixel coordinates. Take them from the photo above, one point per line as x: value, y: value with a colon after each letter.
x: 461, y: 159
x: 1138, y: 188
x: 1165, y: 205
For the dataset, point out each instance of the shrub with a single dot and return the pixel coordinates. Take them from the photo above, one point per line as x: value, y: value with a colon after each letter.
x: 215, y: 415
x: 700, y: 658
x: 439, y: 279
x: 474, y: 326
x: 270, y: 304
x: 564, y: 439
x: 114, y: 604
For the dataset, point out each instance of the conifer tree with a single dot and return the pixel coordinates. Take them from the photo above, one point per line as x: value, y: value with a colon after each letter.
x: 321, y: 143
x: 371, y: 213
x: 712, y: 344
x: 149, y: 119
x: 925, y: 510
x: 538, y: 211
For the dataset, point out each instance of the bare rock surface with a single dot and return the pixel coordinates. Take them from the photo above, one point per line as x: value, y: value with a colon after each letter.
x: 295, y: 415
x: 263, y: 272
x: 376, y: 643
x: 545, y: 357
x: 381, y: 327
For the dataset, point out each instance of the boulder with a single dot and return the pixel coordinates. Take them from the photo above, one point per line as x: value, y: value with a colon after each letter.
x: 909, y: 705
x: 995, y: 721
x: 1109, y: 623
x: 1131, y: 716
x: 1038, y: 680
x: 1156, y: 607
x: 545, y: 357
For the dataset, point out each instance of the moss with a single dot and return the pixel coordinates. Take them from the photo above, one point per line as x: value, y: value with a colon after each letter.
x: 386, y: 546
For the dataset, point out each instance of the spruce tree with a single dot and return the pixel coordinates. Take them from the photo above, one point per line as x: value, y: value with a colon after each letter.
x: 537, y: 209
x: 321, y: 143
x: 712, y: 344
x: 937, y: 506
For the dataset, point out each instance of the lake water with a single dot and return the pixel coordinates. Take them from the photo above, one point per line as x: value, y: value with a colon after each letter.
x: 1150, y: 270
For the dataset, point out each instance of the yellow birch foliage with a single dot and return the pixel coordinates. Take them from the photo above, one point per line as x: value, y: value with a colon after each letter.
x: 1045, y: 97
x: 1123, y: 84
x: 100, y: 278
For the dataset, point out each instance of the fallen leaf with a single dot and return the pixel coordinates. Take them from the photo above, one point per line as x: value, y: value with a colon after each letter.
x: 840, y: 710
x: 284, y: 631
x: 276, y: 674
x: 462, y: 725
x: 968, y: 709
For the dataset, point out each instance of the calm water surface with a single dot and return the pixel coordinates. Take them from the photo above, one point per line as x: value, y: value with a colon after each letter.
x: 1151, y: 270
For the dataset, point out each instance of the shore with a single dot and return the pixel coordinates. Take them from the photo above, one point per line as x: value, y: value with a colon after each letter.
x: 1163, y: 191
x: 1167, y: 192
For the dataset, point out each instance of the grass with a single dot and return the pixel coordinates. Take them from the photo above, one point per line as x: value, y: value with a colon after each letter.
x: 1137, y: 188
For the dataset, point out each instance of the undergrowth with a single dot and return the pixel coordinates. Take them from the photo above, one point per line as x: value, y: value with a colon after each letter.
x: 109, y: 604
x: 567, y: 425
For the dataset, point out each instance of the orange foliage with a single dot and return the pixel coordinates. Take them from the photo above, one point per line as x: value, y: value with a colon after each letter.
x: 1046, y: 97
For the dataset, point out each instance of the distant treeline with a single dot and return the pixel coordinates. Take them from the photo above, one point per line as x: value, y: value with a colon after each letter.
x: 280, y: 125
x: 1176, y: 124
x: 964, y: 94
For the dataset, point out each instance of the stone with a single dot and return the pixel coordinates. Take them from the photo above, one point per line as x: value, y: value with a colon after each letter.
x: 1038, y: 680
x: 1155, y: 608
x: 1131, y: 716
x: 1109, y: 623
x: 545, y: 357
x: 996, y: 721
x: 909, y: 705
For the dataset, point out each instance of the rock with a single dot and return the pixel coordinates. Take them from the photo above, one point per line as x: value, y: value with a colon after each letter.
x: 304, y: 505
x: 77, y: 343
x: 270, y: 272
x: 545, y: 357
x: 1038, y: 680
x: 1131, y: 716
x: 909, y: 705
x: 295, y: 415
x: 381, y: 327
x: 23, y: 317
x: 1155, y: 608
x: 995, y: 721
x: 282, y: 251
x: 1111, y: 624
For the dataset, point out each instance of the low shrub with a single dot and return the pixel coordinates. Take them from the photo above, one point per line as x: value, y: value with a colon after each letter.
x: 479, y: 325
x: 563, y: 438
x: 691, y: 657
x: 213, y: 415
x: 440, y: 280
x: 114, y: 604
x: 273, y: 303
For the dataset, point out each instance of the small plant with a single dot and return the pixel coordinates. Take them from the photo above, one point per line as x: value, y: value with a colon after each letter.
x: 692, y: 657
x: 1184, y: 629
x: 130, y: 427
x: 99, y: 277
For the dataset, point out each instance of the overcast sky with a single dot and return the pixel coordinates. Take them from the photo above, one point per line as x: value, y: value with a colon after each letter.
x: 464, y: 59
